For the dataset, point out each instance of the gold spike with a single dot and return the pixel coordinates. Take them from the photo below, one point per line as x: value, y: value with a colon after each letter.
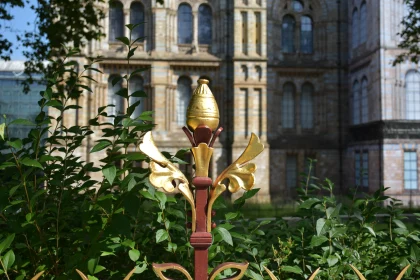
x: 359, y: 274
x: 313, y: 275
x: 272, y: 277
x: 400, y: 276
x: 130, y: 274
x: 241, y: 267
x: 202, y: 155
x: 81, y: 275
x: 202, y: 109
x: 38, y: 275
x: 159, y: 268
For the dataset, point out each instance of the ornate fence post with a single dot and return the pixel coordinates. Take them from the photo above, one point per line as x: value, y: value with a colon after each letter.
x: 202, y: 131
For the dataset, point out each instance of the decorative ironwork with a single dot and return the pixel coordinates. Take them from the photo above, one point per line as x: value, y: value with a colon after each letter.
x: 202, y: 131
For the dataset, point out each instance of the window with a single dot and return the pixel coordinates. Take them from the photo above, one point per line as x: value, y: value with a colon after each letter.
x: 136, y: 84
x: 288, y: 34
x: 355, y: 28
x: 297, y: 6
x: 363, y: 22
x: 244, y: 16
x: 307, y: 106
x: 356, y: 102
x: 185, y: 24
x: 412, y: 95
x: 182, y: 99
x: 291, y: 171
x: 288, y: 106
x: 116, y: 21
x: 365, y: 169
x: 258, y: 32
x: 361, y: 169
x: 306, y: 35
x: 204, y: 25
x: 364, y: 105
x: 410, y: 170
x: 114, y: 99
x: 136, y: 17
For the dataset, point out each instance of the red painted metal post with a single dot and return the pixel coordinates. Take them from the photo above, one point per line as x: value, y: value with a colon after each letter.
x: 201, y: 239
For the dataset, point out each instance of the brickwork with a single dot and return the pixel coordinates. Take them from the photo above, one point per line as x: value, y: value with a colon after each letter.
x: 249, y: 70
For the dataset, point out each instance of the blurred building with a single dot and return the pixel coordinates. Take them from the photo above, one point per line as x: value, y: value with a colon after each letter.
x: 14, y: 103
x: 313, y: 78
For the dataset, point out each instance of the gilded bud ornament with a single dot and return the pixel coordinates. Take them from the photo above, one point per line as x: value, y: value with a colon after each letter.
x: 202, y: 109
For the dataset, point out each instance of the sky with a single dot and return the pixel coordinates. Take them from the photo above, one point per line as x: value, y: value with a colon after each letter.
x: 24, y: 20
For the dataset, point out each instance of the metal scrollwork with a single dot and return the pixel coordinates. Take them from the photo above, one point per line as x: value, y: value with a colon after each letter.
x: 240, y: 174
x: 164, y: 174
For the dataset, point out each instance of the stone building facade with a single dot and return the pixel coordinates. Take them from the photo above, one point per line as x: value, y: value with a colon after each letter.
x: 313, y: 78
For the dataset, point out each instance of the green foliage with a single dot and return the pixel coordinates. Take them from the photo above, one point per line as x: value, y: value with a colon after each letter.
x: 410, y: 33
x: 57, y: 216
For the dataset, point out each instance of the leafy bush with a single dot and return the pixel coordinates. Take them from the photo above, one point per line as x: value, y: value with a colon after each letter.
x: 55, y: 217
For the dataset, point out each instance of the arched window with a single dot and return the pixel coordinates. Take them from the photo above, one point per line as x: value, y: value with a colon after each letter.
x: 363, y: 22
x: 114, y: 99
x: 355, y: 28
x: 356, y: 102
x: 136, y: 84
x: 412, y: 95
x: 297, y: 6
x: 183, y: 96
x: 307, y: 106
x: 288, y: 34
x: 136, y: 17
x: 364, y: 103
x: 306, y: 35
x: 204, y: 24
x: 185, y: 24
x: 288, y: 106
x: 116, y: 20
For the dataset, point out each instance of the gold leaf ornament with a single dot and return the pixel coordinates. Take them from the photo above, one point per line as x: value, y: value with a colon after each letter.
x: 164, y: 173
x: 159, y: 268
x: 240, y: 174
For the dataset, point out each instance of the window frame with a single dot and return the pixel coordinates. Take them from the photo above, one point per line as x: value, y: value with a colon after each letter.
x: 114, y: 8
x: 288, y: 112
x: 181, y: 28
x: 412, y: 109
x: 181, y: 108
x: 200, y: 24
x: 141, y: 19
x: 410, y: 170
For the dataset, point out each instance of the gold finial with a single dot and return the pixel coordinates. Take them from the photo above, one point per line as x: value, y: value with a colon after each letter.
x: 202, y: 109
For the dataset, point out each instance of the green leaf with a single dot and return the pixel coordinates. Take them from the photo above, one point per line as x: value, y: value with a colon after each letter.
x: 161, y: 235
x: 318, y: 240
x: 8, y: 259
x: 116, y: 80
x: 294, y: 269
x: 92, y: 263
x: 17, y: 144
x: 370, y: 230
x: 21, y: 122
x: 101, y: 145
x: 4, y: 165
x: 320, y: 223
x: 139, y: 93
x: 332, y: 260
x: 107, y: 254
x: 161, y: 198
x: 2, y: 130
x: 225, y: 234
x: 399, y: 224
x: 110, y: 173
x: 231, y: 215
x: 124, y: 40
x: 4, y: 245
x: 251, y: 193
x: 134, y: 254
x: 309, y: 203
x: 147, y: 195
x: 31, y: 162
x: 415, y: 252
